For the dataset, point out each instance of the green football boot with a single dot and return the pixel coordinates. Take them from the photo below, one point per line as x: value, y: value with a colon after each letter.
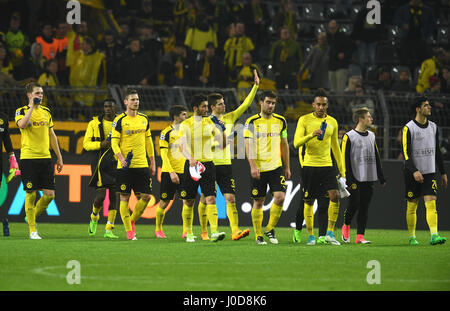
x: 297, y: 236
x: 436, y: 239
x: 413, y: 241
x: 109, y: 234
x: 92, y: 227
x: 322, y: 240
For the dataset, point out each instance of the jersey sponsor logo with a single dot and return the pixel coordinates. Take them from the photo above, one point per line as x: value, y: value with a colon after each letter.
x: 424, y: 152
x: 262, y: 135
x: 132, y: 132
x: 41, y: 123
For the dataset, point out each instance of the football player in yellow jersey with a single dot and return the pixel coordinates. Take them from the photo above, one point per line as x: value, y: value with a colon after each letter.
x: 267, y: 149
x: 172, y: 164
x: 97, y: 140
x: 318, y: 174
x: 222, y: 162
x: 37, y: 136
x: 131, y: 141
x: 197, y: 137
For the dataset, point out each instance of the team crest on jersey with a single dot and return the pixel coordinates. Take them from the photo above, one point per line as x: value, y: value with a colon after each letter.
x: 410, y: 194
x: 255, y: 191
x: 164, y: 195
x: 354, y: 186
x: 306, y: 194
x: 1, y: 122
x: 123, y: 187
x: 183, y: 194
x: 29, y: 185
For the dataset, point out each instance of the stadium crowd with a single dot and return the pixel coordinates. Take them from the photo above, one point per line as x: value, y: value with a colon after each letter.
x: 218, y: 43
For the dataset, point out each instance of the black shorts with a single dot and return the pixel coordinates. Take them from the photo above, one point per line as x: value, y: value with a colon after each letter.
x: 414, y: 190
x: 168, y: 188
x: 275, y: 179
x: 207, y: 183
x: 138, y: 179
x: 37, y: 174
x: 317, y: 180
x: 224, y: 179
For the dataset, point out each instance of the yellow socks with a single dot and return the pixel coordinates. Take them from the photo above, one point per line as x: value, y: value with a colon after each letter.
x: 159, y: 218
x: 233, y: 217
x: 187, y: 214
x: 213, y: 218
x: 111, y: 219
x: 42, y: 204
x: 257, y: 219
x: 309, y: 218
x: 30, y: 210
x: 333, y: 213
x: 432, y: 218
x: 95, y: 213
x: 275, y: 213
x: 411, y: 217
x: 139, y: 209
x: 125, y: 215
x: 202, y: 216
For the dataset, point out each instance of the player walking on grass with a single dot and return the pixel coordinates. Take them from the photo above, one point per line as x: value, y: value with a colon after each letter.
x: 13, y: 166
x: 172, y: 165
x: 131, y: 141
x: 98, y: 140
x: 37, y: 136
x: 197, y: 136
x: 362, y: 166
x: 421, y: 152
x: 222, y: 161
x: 267, y: 149
x: 318, y: 132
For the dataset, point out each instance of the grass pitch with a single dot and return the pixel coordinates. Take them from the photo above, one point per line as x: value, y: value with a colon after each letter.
x: 173, y: 265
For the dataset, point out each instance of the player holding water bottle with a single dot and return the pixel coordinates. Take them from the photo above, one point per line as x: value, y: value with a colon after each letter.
x: 318, y: 173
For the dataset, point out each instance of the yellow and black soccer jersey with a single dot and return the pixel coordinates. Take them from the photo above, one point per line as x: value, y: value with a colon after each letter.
x: 132, y: 134
x: 35, y: 138
x: 317, y: 152
x: 266, y: 135
x: 199, y: 133
x: 223, y: 156
x: 169, y: 144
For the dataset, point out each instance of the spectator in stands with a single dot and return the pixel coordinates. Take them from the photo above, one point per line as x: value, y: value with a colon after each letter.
x: 403, y: 83
x: 16, y: 41
x: 237, y: 10
x: 257, y: 20
x: 113, y: 56
x: 49, y: 78
x: 75, y: 38
x: 218, y: 13
x: 178, y: 66
x: 354, y: 82
x: 435, y: 86
x: 244, y: 77
x: 236, y: 46
x: 88, y: 70
x: 286, y: 17
x: 200, y: 34
x: 340, y: 53
x: 151, y: 44
x: 125, y: 33
x: 366, y: 36
x: 137, y: 66
x: 63, y: 41
x: 361, y: 100
x: 384, y: 79
x: 431, y: 67
x: 6, y: 66
x: 180, y: 18
x: 46, y: 40
x: 317, y: 63
x: 445, y: 80
x: 286, y: 57
x: 209, y: 68
x: 33, y: 64
x: 417, y: 24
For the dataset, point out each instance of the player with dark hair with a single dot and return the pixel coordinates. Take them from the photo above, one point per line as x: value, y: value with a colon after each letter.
x: 197, y: 137
x: 97, y: 139
x: 222, y: 161
x: 318, y: 133
x: 37, y: 136
x: 13, y: 166
x: 172, y: 164
x: 362, y: 166
x: 421, y: 152
x: 132, y: 144
x: 267, y: 149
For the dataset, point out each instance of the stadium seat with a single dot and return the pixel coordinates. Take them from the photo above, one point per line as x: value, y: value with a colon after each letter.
x: 386, y: 54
